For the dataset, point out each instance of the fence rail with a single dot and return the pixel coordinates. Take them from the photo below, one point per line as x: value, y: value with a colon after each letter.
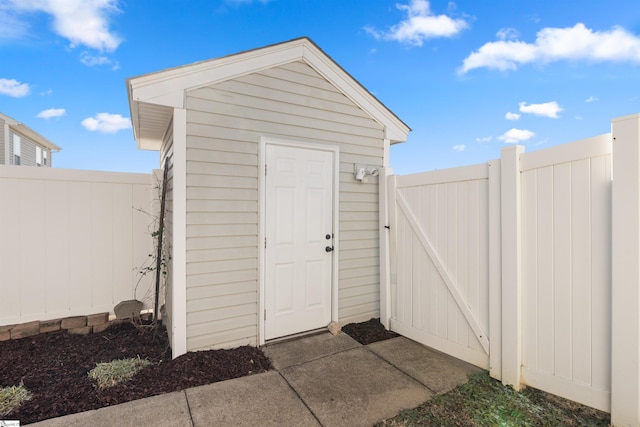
x: 72, y: 241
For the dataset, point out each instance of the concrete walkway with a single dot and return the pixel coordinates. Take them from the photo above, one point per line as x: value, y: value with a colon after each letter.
x: 320, y: 380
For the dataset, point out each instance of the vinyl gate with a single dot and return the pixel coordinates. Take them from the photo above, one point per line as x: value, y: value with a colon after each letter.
x: 507, y: 265
x: 440, y: 239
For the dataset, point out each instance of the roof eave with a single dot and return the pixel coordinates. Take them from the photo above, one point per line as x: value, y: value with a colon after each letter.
x: 35, y: 136
x: 168, y: 87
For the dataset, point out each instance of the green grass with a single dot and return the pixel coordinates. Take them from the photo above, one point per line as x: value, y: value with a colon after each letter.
x: 117, y: 371
x: 484, y: 401
x: 11, y: 398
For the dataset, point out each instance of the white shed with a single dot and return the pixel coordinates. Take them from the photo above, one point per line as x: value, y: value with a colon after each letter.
x: 271, y: 229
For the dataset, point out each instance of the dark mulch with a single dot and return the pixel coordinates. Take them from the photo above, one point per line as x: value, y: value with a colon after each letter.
x: 54, y: 367
x: 368, y: 332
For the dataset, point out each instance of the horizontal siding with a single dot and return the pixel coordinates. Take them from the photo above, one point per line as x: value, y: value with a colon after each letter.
x: 27, y: 151
x: 221, y: 278
x: 167, y: 162
x: 224, y: 124
x: 2, y: 142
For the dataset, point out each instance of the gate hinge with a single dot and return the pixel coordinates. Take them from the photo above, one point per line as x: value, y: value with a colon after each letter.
x: 265, y: 170
x: 265, y: 243
x: 265, y: 314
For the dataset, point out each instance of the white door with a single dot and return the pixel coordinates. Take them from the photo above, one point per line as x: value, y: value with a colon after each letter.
x: 299, y: 239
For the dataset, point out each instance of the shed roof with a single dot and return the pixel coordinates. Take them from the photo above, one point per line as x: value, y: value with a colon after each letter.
x: 26, y: 131
x: 152, y: 97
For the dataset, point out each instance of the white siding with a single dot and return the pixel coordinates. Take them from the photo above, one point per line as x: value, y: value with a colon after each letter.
x: 2, y: 142
x: 167, y: 162
x: 27, y: 151
x: 224, y: 124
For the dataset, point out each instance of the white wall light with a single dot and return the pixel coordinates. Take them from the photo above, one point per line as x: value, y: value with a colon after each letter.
x: 360, y: 172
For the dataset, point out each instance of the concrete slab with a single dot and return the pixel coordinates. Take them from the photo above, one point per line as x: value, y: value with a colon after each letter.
x: 295, y: 352
x: 257, y: 400
x: 354, y: 388
x: 166, y: 410
x: 438, y: 371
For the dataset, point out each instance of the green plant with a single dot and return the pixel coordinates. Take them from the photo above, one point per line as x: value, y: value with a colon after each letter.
x: 117, y: 371
x: 11, y: 398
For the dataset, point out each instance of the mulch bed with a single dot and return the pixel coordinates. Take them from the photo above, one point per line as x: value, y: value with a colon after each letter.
x: 368, y: 332
x: 54, y: 367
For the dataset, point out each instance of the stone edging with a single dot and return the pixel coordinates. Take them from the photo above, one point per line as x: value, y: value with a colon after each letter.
x: 81, y: 325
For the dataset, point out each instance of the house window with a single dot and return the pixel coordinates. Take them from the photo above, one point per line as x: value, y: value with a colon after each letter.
x: 16, y: 149
x: 38, y: 156
x: 44, y: 157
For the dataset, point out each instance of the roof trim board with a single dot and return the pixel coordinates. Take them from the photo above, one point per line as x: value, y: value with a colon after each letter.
x: 29, y: 133
x: 166, y: 89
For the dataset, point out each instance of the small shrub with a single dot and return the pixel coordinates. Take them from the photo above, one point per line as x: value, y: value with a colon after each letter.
x: 11, y: 398
x: 117, y: 371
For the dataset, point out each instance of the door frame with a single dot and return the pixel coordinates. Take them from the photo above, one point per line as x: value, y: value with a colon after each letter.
x: 262, y: 149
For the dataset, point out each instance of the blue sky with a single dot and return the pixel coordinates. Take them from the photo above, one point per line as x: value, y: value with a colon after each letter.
x: 469, y: 77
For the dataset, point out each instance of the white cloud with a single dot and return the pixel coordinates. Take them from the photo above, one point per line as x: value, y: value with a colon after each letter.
x: 106, y: 123
x: 91, y: 60
x: 548, y: 109
x: 557, y: 44
x: 82, y: 22
x: 459, y: 148
x: 420, y: 24
x: 51, y: 113
x: 512, y: 116
x: 591, y: 99
x: 484, y: 139
x: 11, y: 27
x: 507, y: 34
x: 514, y: 135
x: 14, y: 88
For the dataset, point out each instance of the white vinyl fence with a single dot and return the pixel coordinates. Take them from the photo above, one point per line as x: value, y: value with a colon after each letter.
x: 71, y: 242
x: 528, y: 266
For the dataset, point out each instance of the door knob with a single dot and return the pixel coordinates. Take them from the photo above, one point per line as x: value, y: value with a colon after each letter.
x: 329, y: 249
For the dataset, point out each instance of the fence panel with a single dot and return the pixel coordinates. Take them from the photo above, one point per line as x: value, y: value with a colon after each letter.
x: 72, y: 241
x: 446, y: 290
x: 440, y: 241
x: 566, y: 270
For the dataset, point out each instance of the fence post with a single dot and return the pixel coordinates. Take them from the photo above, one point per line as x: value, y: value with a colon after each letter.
x: 385, y: 262
x: 495, y: 271
x: 625, y: 272
x: 392, y: 185
x: 511, y: 268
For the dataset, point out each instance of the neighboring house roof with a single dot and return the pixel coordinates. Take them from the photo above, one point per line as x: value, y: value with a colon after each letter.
x: 152, y: 97
x: 26, y: 131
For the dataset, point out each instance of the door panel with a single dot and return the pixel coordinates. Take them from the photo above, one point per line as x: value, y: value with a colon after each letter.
x: 299, y: 214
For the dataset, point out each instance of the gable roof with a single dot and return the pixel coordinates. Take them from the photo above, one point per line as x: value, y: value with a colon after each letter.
x: 152, y: 97
x: 26, y: 131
